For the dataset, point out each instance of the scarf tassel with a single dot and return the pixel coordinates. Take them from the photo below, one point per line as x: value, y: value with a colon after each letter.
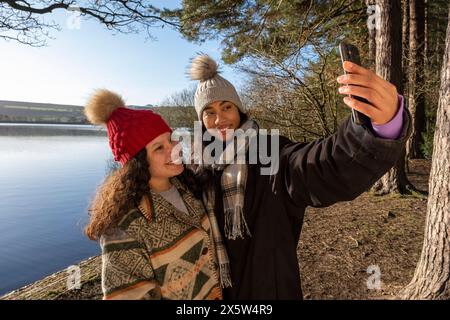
x: 225, y: 279
x: 235, y: 223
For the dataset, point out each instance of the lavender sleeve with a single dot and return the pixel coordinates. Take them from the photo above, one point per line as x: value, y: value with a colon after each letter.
x: 393, y: 128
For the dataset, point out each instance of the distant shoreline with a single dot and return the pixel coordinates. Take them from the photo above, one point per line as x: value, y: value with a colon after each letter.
x: 50, y: 129
x: 48, y: 123
x: 44, y: 113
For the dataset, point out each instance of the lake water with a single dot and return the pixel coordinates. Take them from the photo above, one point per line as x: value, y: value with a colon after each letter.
x: 48, y: 175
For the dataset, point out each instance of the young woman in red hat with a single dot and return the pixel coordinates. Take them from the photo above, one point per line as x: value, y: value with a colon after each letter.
x: 157, y: 241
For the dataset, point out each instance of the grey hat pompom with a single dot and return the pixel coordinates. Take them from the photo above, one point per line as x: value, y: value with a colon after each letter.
x: 203, y: 68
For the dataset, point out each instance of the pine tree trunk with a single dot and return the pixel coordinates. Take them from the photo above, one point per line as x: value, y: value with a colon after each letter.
x: 425, y: 35
x: 432, y: 276
x: 405, y: 40
x: 405, y: 50
x: 388, y: 43
x: 389, y: 67
x: 416, y: 103
x: 372, y: 41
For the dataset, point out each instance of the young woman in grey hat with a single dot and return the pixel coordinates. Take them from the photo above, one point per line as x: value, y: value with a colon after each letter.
x: 260, y: 216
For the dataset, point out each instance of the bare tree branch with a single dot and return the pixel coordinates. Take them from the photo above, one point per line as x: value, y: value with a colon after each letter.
x: 25, y: 21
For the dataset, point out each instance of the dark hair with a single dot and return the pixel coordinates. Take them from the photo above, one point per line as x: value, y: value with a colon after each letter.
x: 120, y: 192
x: 243, y: 117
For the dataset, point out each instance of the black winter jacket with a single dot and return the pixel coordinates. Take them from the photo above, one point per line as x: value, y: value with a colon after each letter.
x: 320, y: 173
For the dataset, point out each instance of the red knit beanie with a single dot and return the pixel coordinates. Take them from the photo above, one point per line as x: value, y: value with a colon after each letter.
x: 129, y: 130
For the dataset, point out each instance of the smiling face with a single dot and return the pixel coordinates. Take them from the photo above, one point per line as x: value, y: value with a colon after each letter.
x: 221, y: 115
x: 159, y: 157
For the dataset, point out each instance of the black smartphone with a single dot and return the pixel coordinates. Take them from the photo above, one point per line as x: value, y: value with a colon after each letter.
x: 350, y: 53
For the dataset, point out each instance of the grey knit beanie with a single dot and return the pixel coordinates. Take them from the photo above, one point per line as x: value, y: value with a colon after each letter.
x: 212, y: 87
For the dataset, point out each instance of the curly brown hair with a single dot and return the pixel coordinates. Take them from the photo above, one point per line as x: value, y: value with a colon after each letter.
x: 121, y: 191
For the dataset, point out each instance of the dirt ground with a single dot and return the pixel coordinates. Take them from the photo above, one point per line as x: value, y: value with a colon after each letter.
x: 339, y: 243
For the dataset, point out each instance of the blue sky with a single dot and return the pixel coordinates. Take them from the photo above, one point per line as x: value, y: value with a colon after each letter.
x: 80, y: 60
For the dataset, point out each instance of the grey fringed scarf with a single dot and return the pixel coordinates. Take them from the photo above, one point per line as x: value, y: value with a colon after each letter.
x: 234, y: 180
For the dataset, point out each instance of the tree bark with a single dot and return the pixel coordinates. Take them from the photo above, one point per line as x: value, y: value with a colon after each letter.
x: 405, y: 51
x: 388, y: 43
x: 389, y: 67
x: 425, y: 34
x: 416, y: 102
x: 372, y: 40
x: 405, y: 40
x: 432, y: 276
